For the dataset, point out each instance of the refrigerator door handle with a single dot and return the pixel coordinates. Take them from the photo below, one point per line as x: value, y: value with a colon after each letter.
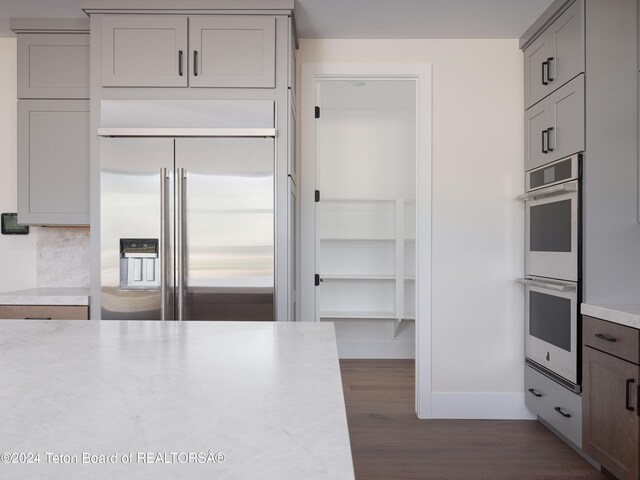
x: 163, y: 244
x: 180, y: 240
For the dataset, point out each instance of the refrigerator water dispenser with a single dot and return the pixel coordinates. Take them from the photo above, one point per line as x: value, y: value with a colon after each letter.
x: 139, y: 266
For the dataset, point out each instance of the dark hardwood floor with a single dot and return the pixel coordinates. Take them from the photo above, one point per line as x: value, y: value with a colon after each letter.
x: 388, y: 441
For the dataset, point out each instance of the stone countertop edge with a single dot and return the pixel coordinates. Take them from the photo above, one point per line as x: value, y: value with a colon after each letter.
x: 622, y: 314
x: 46, y: 296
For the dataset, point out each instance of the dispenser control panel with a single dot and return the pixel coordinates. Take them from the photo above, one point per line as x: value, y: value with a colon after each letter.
x: 139, y: 265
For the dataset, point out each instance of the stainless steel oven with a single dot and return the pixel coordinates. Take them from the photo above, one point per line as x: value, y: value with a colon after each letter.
x: 552, y: 220
x: 551, y: 328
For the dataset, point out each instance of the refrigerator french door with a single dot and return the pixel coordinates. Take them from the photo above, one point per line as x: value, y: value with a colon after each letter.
x: 187, y: 228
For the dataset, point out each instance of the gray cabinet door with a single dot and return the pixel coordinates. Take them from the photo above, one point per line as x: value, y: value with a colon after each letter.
x: 144, y: 51
x: 557, y: 56
x: 53, y: 162
x: 534, y: 72
x: 566, y: 107
x: 536, y: 122
x: 554, y: 127
x: 53, y: 65
x: 232, y: 51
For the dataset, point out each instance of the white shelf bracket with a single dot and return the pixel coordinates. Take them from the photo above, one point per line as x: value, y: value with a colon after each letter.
x: 397, y: 326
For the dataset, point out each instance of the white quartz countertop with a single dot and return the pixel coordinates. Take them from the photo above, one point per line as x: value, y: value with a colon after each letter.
x: 628, y: 315
x: 267, y: 396
x: 46, y: 296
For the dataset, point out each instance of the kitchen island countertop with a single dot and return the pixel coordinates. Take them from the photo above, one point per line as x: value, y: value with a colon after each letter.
x: 251, y: 400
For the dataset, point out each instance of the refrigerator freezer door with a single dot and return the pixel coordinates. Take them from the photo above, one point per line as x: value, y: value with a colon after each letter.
x: 226, y: 227
x: 136, y: 209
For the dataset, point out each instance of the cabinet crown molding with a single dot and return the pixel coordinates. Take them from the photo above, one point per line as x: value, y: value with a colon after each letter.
x: 188, y: 6
x: 49, y: 25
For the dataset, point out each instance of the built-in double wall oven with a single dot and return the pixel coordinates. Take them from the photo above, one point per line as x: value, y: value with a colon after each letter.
x: 552, y: 269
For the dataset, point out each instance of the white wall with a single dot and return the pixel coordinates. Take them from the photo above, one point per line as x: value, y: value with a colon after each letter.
x: 477, y: 310
x: 17, y: 253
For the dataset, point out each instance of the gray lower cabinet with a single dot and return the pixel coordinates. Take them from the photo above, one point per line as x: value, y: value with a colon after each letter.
x: 53, y: 65
x: 224, y: 51
x: 53, y: 162
x: 554, y: 127
x: 144, y: 51
x: 556, y: 405
x: 556, y: 56
x: 234, y: 51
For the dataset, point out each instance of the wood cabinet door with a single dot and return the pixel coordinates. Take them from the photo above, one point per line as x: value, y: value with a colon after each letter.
x: 53, y: 65
x: 53, y: 162
x: 144, y: 51
x: 610, y: 422
x: 536, y: 122
x: 232, y: 51
x: 566, y: 107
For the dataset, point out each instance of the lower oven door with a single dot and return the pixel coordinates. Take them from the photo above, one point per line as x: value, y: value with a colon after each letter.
x: 551, y: 325
x: 552, y: 232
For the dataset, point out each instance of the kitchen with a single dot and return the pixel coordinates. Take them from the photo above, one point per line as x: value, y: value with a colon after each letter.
x: 477, y: 241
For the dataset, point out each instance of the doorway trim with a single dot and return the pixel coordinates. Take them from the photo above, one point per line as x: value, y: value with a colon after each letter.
x: 421, y: 73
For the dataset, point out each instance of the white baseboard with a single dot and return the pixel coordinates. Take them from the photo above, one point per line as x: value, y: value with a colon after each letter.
x: 390, y: 349
x: 480, y: 406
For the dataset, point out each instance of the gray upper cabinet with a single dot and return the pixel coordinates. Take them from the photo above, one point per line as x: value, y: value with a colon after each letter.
x: 53, y: 162
x: 232, y: 51
x: 534, y: 73
x: 536, y: 123
x: 554, y: 127
x: 566, y: 106
x: 556, y: 56
x: 224, y: 51
x: 53, y: 65
x: 144, y: 51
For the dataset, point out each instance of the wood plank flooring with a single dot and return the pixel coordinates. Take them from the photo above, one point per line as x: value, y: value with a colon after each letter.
x: 388, y: 441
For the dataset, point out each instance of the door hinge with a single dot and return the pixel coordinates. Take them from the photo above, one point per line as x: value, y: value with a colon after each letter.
x: 317, y: 196
x: 317, y: 115
x: 317, y: 280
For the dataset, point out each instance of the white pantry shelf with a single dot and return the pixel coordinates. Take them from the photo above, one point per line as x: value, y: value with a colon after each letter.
x: 358, y: 239
x: 358, y: 315
x: 348, y: 276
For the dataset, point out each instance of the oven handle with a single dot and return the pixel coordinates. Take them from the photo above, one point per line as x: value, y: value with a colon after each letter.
x: 558, y: 287
x: 555, y: 190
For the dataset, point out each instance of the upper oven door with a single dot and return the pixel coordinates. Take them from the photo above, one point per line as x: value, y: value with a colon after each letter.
x: 552, y: 232
x: 551, y: 326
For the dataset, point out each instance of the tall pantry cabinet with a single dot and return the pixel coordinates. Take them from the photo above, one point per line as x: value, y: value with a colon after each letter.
x: 190, y: 50
x: 581, y: 94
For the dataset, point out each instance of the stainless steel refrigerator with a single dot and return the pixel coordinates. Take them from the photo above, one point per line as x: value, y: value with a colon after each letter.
x: 187, y: 228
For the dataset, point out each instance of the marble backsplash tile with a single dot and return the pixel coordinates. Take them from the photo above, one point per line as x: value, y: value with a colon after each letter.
x: 63, y: 257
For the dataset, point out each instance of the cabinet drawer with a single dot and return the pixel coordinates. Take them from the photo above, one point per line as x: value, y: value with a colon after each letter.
x: 618, y: 340
x: 42, y: 312
x: 53, y: 66
x: 559, y: 407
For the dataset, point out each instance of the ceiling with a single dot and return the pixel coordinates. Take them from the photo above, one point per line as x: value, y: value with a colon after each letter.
x: 360, y: 18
